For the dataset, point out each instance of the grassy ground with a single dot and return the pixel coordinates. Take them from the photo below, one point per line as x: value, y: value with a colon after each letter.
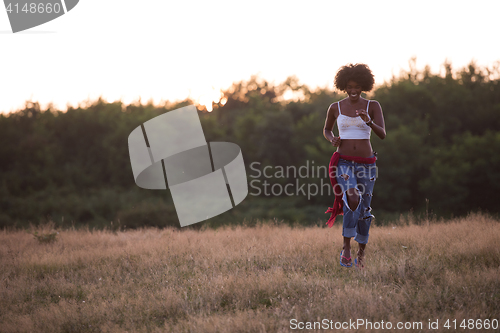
x: 248, y: 279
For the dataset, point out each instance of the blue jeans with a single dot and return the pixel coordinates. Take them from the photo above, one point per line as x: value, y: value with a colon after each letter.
x: 362, y: 177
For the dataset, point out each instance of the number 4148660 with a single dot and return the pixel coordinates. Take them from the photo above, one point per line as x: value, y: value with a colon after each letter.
x: 35, y: 8
x: 472, y: 324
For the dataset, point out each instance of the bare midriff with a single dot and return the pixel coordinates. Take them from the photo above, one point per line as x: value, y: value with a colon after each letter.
x: 355, y: 147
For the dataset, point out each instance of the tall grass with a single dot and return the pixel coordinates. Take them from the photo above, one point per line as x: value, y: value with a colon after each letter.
x: 242, y: 279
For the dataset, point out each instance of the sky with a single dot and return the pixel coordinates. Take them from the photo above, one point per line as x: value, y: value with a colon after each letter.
x: 170, y: 50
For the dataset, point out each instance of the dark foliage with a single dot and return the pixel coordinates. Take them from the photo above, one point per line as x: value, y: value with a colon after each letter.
x: 442, y: 145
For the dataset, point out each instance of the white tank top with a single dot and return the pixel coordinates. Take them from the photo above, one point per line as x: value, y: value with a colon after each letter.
x: 353, y: 127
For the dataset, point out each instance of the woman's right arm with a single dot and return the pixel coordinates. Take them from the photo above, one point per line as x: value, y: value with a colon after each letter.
x: 331, y: 117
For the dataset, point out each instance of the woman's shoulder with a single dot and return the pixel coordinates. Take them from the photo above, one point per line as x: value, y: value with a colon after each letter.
x: 334, y: 105
x: 373, y: 107
x: 373, y: 102
x: 337, y: 103
x: 333, y: 109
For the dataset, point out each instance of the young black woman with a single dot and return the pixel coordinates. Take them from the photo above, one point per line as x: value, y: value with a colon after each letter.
x: 353, y: 166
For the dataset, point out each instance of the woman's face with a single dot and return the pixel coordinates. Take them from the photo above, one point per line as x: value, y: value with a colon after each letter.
x: 353, y: 90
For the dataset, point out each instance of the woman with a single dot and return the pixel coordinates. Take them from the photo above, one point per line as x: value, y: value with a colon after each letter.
x: 352, y: 167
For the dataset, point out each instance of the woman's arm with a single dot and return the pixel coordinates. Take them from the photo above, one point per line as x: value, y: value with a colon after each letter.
x: 378, y: 123
x: 329, y: 123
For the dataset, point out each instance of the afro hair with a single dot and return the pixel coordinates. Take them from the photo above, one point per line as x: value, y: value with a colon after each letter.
x: 359, y: 73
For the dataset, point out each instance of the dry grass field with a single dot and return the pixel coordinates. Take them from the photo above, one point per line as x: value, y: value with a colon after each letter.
x: 245, y: 279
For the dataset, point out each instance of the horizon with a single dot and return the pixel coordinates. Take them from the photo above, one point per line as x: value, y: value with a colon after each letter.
x: 218, y: 96
x: 195, y: 49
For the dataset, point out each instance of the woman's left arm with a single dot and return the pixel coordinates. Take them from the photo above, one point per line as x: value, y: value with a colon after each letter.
x: 376, y: 121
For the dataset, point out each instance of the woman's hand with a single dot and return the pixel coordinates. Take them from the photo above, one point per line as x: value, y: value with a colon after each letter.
x: 364, y: 115
x: 336, y: 141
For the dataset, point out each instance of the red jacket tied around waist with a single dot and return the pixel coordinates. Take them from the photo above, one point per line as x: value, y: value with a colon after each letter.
x: 337, y: 208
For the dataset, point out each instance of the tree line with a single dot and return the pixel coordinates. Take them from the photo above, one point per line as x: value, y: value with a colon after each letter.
x: 440, y: 153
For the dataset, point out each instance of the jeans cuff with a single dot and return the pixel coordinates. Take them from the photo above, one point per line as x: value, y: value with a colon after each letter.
x: 349, y: 232
x: 361, y: 239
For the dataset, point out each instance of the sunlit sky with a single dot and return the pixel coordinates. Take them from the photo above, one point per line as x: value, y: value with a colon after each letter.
x: 168, y: 50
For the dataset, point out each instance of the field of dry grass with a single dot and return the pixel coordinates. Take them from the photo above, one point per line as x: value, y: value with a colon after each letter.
x: 248, y: 279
